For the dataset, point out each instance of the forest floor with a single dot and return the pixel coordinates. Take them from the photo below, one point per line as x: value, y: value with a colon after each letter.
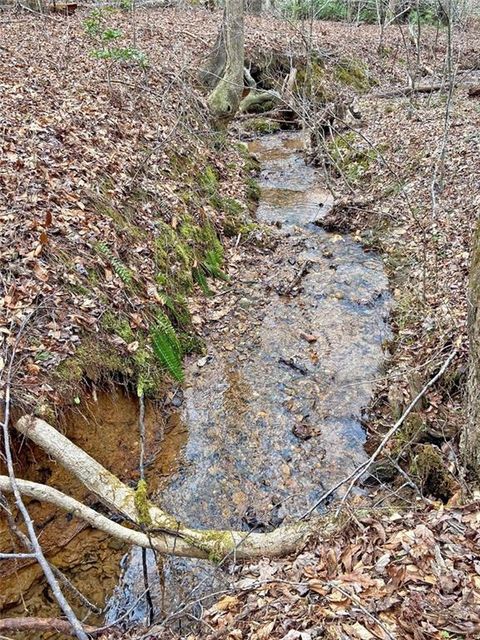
x: 99, y: 156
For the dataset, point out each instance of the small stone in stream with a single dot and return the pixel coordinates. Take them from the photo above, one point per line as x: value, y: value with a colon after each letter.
x: 309, y: 337
x: 339, y: 295
x: 326, y: 253
x: 381, y: 471
x: 277, y: 516
x: 251, y: 520
x: 177, y: 399
x: 229, y: 347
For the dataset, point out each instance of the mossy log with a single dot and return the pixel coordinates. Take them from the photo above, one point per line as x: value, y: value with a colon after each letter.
x: 165, y: 533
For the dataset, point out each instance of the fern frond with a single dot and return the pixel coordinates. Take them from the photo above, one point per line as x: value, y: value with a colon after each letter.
x: 212, y: 264
x: 201, y: 280
x: 120, y: 269
x: 178, y: 307
x: 166, y: 346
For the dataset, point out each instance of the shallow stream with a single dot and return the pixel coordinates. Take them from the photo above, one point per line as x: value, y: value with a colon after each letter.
x: 273, y: 413
x: 271, y: 417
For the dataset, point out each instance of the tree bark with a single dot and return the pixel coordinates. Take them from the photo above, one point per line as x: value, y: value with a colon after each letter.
x: 165, y: 533
x: 255, y: 7
x: 226, y: 95
x: 212, y: 71
x: 471, y: 434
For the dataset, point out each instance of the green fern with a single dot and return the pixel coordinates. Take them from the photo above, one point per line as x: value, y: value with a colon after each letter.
x: 212, y: 263
x: 166, y: 346
x: 201, y: 279
x: 120, y: 269
x: 178, y: 308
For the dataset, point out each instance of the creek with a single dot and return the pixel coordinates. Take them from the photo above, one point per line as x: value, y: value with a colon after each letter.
x: 271, y: 417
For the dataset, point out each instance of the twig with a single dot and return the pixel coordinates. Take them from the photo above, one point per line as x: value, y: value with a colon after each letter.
x: 41, y: 624
x: 362, y: 468
x: 73, y: 621
x: 366, y: 466
x: 141, y: 425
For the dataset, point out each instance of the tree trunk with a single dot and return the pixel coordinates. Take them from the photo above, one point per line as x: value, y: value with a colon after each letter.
x: 226, y: 95
x: 254, y: 7
x: 212, y: 71
x: 471, y: 433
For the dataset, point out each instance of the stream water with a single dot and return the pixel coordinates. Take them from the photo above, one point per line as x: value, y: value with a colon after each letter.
x: 271, y: 417
x: 273, y: 412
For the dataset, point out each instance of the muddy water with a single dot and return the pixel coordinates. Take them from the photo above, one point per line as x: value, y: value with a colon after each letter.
x: 273, y: 413
x: 106, y: 426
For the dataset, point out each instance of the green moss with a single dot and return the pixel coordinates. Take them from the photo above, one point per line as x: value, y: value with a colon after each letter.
x: 216, y: 544
x: 208, y: 180
x: 410, y: 433
x: 354, y: 74
x: 253, y: 189
x: 118, y: 325
x: 182, y: 253
x: 430, y: 471
x: 100, y: 361
x: 181, y: 167
x: 351, y: 159
x: 141, y: 504
x: 262, y: 125
x: 78, y: 289
x: 235, y: 216
x: 312, y: 82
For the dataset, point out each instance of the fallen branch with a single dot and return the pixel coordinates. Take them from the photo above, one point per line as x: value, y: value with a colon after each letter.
x: 365, y: 466
x: 423, y: 88
x: 41, y: 624
x: 164, y: 532
x: 408, y: 91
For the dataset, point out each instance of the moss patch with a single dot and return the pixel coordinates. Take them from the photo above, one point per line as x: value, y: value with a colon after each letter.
x: 350, y: 158
x: 312, y: 82
x: 141, y: 504
x: 431, y: 473
x: 262, y: 125
x: 353, y: 73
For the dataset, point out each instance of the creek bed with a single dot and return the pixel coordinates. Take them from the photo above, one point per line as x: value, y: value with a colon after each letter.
x: 269, y: 419
x: 273, y: 413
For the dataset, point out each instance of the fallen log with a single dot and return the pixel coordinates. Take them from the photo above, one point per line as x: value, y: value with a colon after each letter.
x: 159, y: 529
x: 408, y: 91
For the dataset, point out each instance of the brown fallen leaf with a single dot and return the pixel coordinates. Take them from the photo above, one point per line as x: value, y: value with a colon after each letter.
x: 227, y: 603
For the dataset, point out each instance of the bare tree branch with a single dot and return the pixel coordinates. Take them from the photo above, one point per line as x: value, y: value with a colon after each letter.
x: 166, y: 533
x: 41, y: 624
